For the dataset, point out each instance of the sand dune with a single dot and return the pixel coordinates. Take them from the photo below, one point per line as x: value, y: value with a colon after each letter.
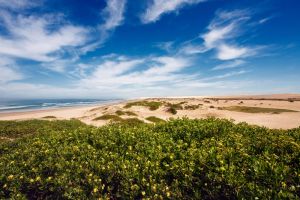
x: 208, y: 106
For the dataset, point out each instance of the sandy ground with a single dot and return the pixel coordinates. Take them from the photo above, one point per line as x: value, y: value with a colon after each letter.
x: 208, y: 107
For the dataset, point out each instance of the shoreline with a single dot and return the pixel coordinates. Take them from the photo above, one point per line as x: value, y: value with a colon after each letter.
x: 4, y: 116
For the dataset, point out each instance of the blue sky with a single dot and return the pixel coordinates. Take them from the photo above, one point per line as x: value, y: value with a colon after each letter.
x: 127, y: 48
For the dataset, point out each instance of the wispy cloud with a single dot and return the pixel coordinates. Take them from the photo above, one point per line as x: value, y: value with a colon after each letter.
x: 222, y: 37
x: 229, y: 52
x: 18, y: 4
x: 137, y: 72
x: 223, y: 31
x: 113, y: 16
x: 217, y: 35
x: 229, y: 65
x: 157, y: 8
x: 8, y: 71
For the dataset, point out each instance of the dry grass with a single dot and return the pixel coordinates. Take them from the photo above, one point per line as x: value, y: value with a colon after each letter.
x: 191, y: 107
x: 256, y: 109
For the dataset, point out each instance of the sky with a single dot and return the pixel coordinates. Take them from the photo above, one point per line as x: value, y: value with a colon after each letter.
x: 148, y: 48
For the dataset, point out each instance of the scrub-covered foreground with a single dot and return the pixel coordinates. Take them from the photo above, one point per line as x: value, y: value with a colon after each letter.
x: 179, y: 159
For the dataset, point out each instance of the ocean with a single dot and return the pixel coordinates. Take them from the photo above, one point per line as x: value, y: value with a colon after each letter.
x: 41, y: 104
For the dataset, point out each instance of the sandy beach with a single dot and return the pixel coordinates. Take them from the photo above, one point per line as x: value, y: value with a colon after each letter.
x: 206, y: 107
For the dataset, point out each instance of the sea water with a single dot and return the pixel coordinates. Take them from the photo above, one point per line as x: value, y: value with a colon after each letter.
x: 41, y: 104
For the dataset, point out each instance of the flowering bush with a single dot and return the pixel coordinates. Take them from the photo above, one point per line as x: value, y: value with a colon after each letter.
x: 180, y: 159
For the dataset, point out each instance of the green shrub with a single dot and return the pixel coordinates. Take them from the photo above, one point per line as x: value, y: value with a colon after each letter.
x: 49, y: 117
x: 172, y: 110
x: 152, y: 105
x: 132, y: 121
x: 12, y: 130
x: 120, y: 112
x: 108, y: 117
x: 155, y: 119
x: 129, y: 113
x: 179, y: 159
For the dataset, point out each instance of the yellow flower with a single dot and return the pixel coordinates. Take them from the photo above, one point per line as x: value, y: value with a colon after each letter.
x: 31, y: 180
x: 154, y: 187
x: 21, y: 177
x: 95, y: 190
x: 38, y: 178
x: 10, y: 177
x: 168, y: 194
x: 143, y: 193
x: 5, y: 185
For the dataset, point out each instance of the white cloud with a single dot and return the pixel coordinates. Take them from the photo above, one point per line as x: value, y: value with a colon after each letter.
x: 229, y: 74
x: 166, y: 65
x: 56, y: 45
x: 159, y: 7
x: 121, y: 76
x: 223, y: 31
x: 190, y: 49
x: 113, y: 14
x: 216, y: 35
x: 135, y: 73
x: 227, y: 52
x: 17, y: 4
x: 112, y: 69
x: 266, y: 19
x: 31, y: 38
x: 8, y: 72
x: 166, y: 46
x: 229, y: 65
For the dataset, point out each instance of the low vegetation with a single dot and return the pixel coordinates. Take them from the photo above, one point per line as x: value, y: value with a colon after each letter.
x: 129, y: 113
x: 171, y: 110
x: 179, y: 159
x: 118, y: 119
x: 155, y: 119
x: 12, y: 130
x: 49, y: 117
x: 177, y: 106
x: 256, y: 109
x: 132, y: 121
x: 152, y: 105
x: 173, y: 107
x: 191, y: 107
x: 108, y: 117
